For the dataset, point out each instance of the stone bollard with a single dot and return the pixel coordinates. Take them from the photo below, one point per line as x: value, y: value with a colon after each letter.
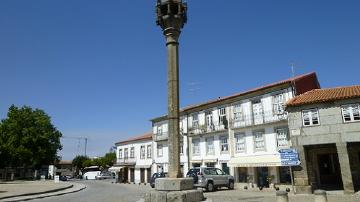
x: 282, y: 196
x: 320, y: 195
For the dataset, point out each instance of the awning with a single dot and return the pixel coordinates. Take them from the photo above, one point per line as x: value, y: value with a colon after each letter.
x: 115, y: 168
x: 142, y: 166
x: 255, y: 161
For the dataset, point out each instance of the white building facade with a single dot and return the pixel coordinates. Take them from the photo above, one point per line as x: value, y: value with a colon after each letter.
x: 240, y: 134
x: 134, y: 157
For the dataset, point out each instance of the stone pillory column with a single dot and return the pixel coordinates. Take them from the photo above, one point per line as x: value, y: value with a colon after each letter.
x: 171, y: 17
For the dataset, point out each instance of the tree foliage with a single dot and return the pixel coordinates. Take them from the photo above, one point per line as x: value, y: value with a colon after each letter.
x: 78, y: 162
x: 28, y: 138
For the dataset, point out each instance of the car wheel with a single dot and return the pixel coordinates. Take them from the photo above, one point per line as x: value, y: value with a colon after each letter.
x: 209, y: 187
x: 231, y: 185
x: 86, y: 178
x: 152, y: 186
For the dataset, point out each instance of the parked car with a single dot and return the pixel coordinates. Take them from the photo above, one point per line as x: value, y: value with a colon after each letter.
x: 105, y: 175
x: 63, y: 178
x: 210, y: 178
x: 157, y: 175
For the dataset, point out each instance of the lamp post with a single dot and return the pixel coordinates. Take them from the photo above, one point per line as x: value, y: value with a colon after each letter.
x: 171, y: 17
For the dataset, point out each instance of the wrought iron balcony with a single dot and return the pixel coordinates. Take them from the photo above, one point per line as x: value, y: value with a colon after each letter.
x: 125, y: 161
x: 161, y: 136
x: 201, y: 129
x: 263, y: 118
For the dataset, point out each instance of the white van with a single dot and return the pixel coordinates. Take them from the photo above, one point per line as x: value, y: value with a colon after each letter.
x: 90, y: 173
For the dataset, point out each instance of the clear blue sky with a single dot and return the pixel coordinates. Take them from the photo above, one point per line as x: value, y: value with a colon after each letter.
x: 98, y: 68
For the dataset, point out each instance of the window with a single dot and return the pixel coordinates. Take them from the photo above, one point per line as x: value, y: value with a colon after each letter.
x: 240, y: 143
x: 120, y: 154
x: 210, y: 145
x: 209, y: 119
x: 222, y: 116
x: 282, y: 137
x: 132, y: 152
x: 195, y: 120
x: 278, y: 104
x: 142, y: 152
x: 159, y: 131
x: 159, y: 150
x: 196, y: 146
x: 126, y: 154
x: 259, y: 141
x: 351, y: 112
x: 210, y: 164
x: 224, y: 144
x: 148, y: 152
x: 310, y: 117
x: 181, y: 148
x: 238, y: 113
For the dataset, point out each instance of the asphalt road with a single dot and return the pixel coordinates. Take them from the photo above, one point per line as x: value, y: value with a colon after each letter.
x: 102, y: 191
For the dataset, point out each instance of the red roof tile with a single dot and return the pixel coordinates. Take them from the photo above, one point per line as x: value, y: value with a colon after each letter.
x: 146, y: 136
x: 292, y: 79
x: 325, y: 95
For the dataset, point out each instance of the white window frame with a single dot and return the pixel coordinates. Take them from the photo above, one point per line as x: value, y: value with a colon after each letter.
x: 142, y: 152
x: 279, y: 103
x: 280, y: 139
x: 195, y: 147
x: 224, y: 144
x: 195, y: 120
x: 352, y: 109
x: 159, y: 150
x: 126, y: 153
x: 209, y: 119
x: 159, y: 131
x: 148, y: 152
x: 210, y: 149
x: 238, y: 113
x: 310, y: 114
x: 240, y: 140
x: 259, y: 140
x: 222, y: 115
x: 132, y: 152
x: 120, y: 154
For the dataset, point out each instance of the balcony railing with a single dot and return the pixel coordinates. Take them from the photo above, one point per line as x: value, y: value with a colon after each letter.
x: 124, y: 161
x: 161, y: 136
x: 263, y: 118
x: 200, y: 129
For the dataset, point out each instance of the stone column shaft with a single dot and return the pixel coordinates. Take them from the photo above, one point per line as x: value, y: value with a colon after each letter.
x: 173, y: 102
x: 345, y: 167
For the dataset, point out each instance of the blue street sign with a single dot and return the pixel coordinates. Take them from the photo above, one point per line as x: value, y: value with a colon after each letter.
x: 289, y: 157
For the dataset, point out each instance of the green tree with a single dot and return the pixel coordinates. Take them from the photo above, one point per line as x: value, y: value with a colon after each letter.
x: 78, y: 162
x: 28, y: 138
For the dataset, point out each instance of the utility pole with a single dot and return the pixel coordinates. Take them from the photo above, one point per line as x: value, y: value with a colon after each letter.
x: 78, y: 138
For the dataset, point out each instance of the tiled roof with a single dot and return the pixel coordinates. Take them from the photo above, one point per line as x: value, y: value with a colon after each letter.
x: 146, y: 136
x: 325, y: 95
x: 292, y: 79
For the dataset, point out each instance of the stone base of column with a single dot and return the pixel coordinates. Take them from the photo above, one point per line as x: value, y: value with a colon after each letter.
x: 174, y: 190
x: 303, y: 189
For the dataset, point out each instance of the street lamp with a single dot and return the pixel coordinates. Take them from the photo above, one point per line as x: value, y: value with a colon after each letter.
x: 171, y: 17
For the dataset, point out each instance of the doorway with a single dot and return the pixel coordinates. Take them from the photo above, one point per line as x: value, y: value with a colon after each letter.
x: 142, y: 175
x: 148, y: 172
x: 262, y: 175
x: 329, y: 171
x: 132, y: 175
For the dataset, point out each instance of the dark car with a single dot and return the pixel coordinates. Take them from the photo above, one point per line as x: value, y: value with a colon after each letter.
x: 156, y: 175
x: 63, y: 178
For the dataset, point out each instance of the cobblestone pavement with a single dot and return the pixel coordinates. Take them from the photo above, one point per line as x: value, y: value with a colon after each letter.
x: 224, y: 195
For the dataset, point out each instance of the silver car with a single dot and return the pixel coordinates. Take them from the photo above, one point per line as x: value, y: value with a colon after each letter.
x: 210, y: 178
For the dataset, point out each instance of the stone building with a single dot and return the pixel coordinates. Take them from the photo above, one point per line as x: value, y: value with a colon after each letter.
x: 325, y: 129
